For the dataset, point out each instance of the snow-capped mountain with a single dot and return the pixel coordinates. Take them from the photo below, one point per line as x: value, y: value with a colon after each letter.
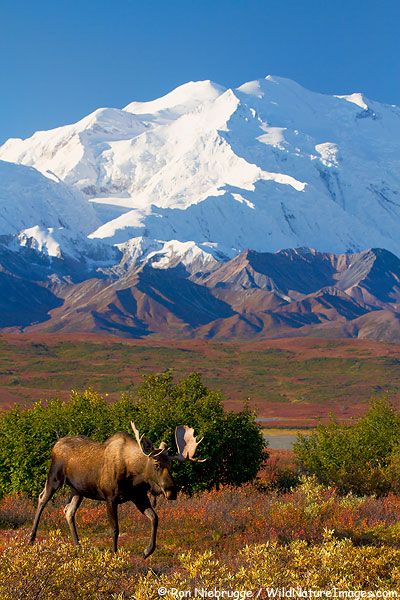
x: 268, y: 165
x: 139, y: 220
x: 41, y: 213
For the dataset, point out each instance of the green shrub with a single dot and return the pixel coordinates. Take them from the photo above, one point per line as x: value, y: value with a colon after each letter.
x: 233, y: 443
x: 363, y: 458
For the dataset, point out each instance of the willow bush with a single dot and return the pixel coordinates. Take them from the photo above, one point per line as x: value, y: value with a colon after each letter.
x: 363, y: 458
x: 233, y: 444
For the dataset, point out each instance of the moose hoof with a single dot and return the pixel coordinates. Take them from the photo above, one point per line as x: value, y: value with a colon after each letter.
x: 147, y: 552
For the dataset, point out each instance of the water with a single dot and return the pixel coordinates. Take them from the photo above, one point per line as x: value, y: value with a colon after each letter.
x: 282, y: 441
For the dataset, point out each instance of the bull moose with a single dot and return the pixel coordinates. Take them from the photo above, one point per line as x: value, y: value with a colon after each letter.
x: 117, y: 471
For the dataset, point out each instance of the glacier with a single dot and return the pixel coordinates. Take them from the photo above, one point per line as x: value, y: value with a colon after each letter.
x: 206, y: 172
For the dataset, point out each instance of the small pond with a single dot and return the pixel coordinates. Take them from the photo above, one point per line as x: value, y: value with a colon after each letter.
x: 282, y: 441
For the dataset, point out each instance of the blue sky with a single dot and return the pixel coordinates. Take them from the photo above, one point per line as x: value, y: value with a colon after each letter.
x: 62, y: 59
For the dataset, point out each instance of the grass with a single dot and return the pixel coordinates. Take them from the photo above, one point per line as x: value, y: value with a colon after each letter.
x: 296, y: 380
x: 223, y: 521
x: 309, y: 536
x: 262, y: 534
x: 278, y: 431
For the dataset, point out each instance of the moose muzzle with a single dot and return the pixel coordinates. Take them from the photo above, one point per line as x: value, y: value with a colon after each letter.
x: 170, y: 493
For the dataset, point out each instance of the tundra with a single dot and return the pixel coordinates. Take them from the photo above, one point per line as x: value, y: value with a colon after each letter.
x: 119, y: 470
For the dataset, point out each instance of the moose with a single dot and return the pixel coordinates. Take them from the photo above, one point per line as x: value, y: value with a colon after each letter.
x: 116, y: 471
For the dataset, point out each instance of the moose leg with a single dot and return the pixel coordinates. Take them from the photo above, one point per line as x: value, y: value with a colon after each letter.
x: 143, y: 504
x: 69, y: 512
x: 112, y: 512
x: 54, y: 482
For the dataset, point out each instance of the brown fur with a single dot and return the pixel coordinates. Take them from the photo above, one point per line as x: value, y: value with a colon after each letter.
x: 114, y: 472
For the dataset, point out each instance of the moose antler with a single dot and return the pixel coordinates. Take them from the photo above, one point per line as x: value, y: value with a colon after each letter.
x: 146, y: 445
x: 186, y: 443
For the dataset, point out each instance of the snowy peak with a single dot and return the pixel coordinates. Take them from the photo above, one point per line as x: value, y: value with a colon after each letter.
x: 172, y: 215
x: 270, y: 86
x: 265, y: 166
x: 166, y: 255
x: 109, y: 122
x: 69, y: 153
x: 182, y: 99
x: 355, y: 98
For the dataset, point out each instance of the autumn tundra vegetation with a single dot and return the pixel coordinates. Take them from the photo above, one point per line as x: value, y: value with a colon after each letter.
x: 325, y: 516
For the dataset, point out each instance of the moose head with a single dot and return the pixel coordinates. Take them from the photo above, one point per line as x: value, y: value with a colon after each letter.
x: 158, y: 468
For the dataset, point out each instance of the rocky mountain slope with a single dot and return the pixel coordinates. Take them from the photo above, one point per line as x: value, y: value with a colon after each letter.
x: 254, y: 295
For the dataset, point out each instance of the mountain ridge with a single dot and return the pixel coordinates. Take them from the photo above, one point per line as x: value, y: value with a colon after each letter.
x: 212, y: 212
x: 285, y: 166
x: 179, y: 303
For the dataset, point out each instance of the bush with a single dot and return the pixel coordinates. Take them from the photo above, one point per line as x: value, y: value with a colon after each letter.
x: 331, y: 564
x: 55, y: 570
x: 363, y: 458
x: 27, y: 436
x: 285, y: 535
x: 279, y: 473
x: 233, y: 443
x: 15, y: 511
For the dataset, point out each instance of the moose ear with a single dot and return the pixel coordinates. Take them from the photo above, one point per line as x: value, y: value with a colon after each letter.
x: 186, y: 443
